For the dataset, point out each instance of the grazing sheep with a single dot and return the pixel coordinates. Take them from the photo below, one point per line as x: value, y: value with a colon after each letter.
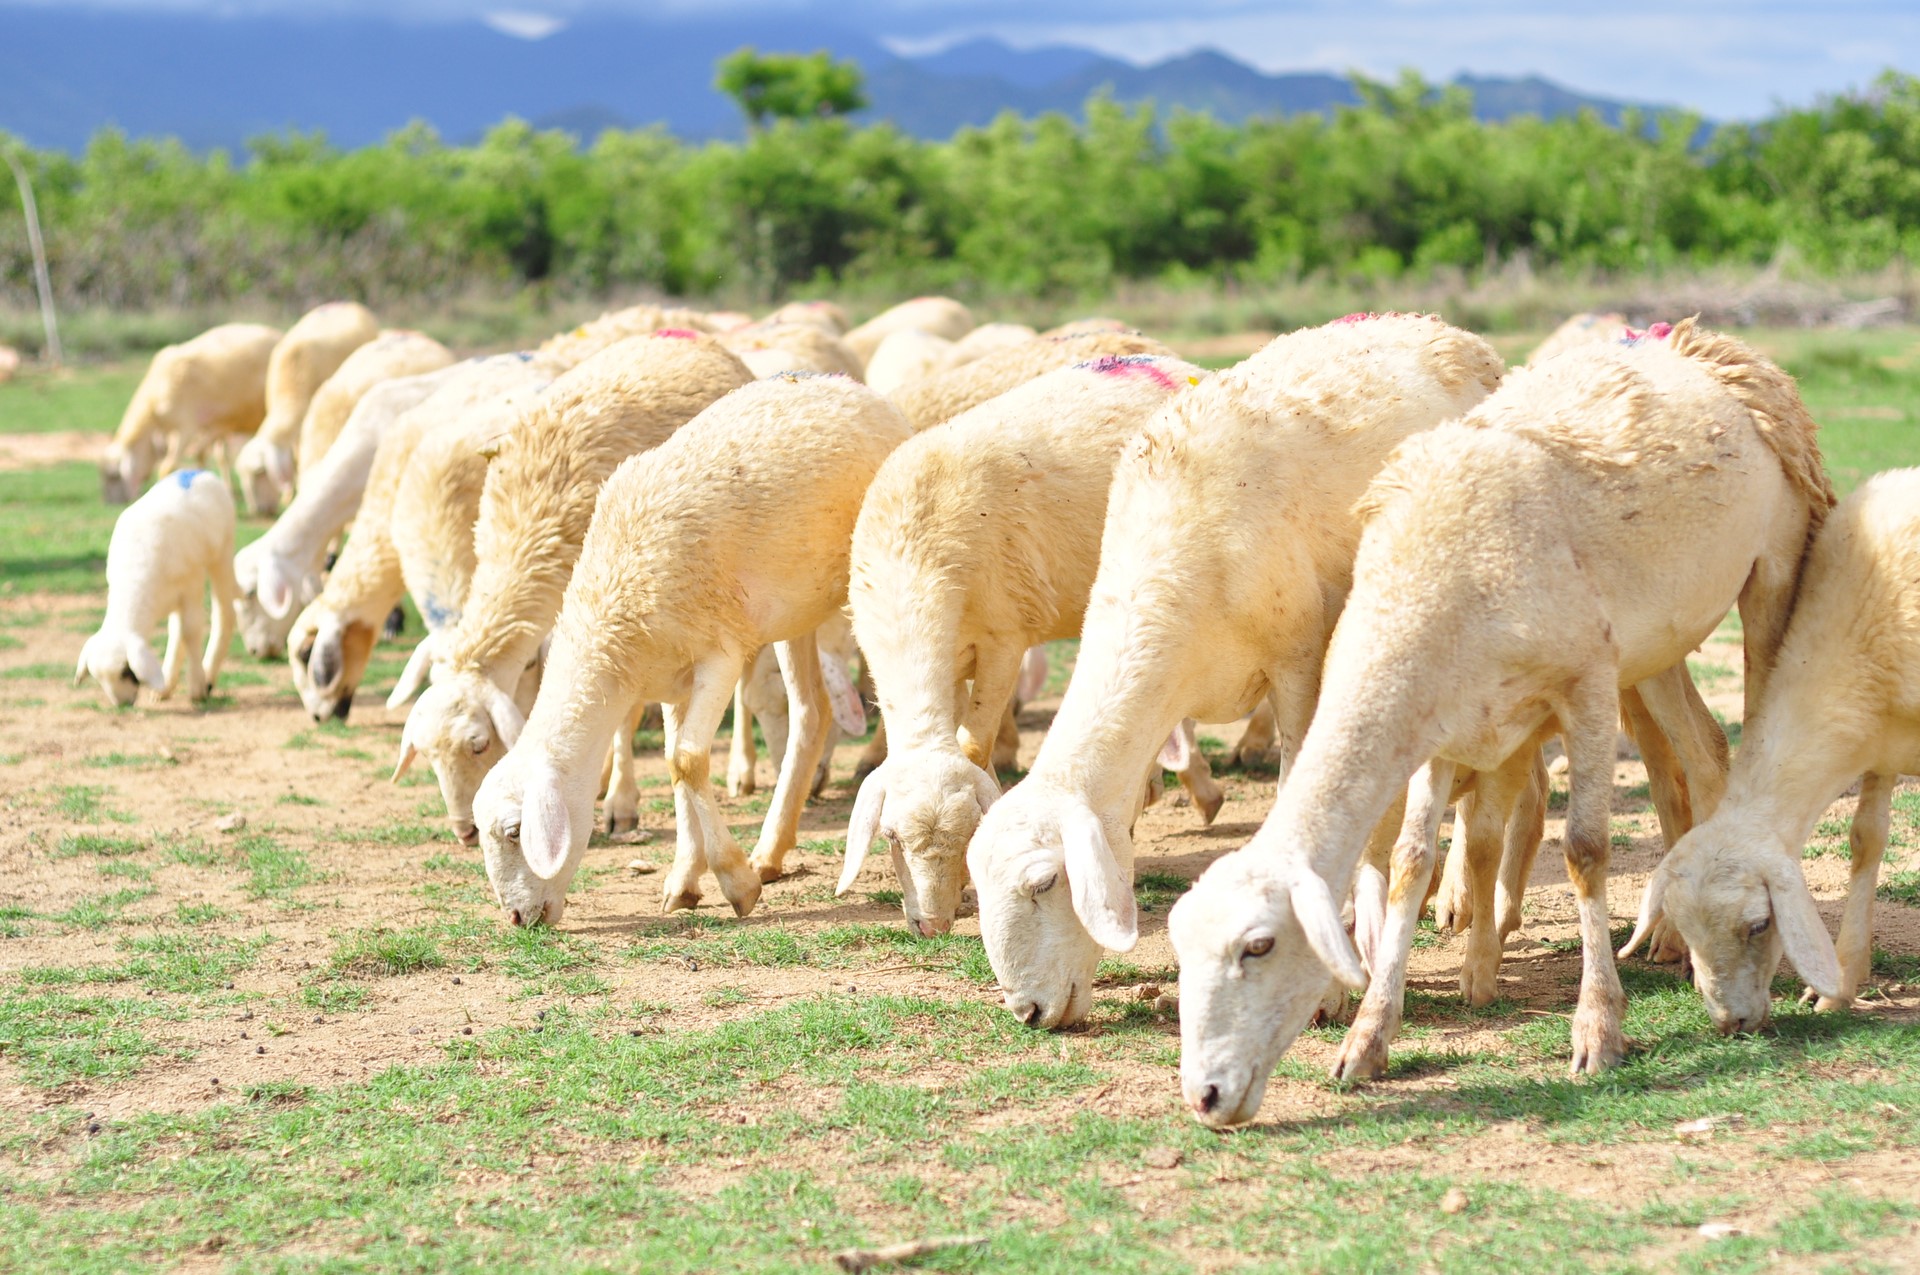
x: 572, y: 348
x: 906, y: 356
x: 167, y: 547
x: 977, y: 541
x: 945, y: 395
x: 195, y: 395
x: 1227, y: 549
x: 1843, y: 704
x: 1582, y: 329
x: 731, y: 535
x: 280, y: 572
x: 1582, y: 530
x: 538, y: 501
x: 824, y: 315
x: 312, y: 350
x: 987, y: 338
x: 942, y: 316
x: 389, y: 356
x: 767, y: 348
x: 333, y: 637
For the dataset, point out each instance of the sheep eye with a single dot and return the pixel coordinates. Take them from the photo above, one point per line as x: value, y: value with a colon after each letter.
x: 1759, y: 927
x: 1046, y: 885
x: 478, y: 745
x: 511, y: 831
x: 1260, y: 946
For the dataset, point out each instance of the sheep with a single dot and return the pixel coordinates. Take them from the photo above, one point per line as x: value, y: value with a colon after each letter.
x: 942, y: 316
x: 945, y: 395
x: 280, y: 572
x: 1585, y: 328
x: 767, y: 348
x: 333, y: 636
x: 978, y: 540
x: 538, y: 501
x: 194, y: 395
x: 1843, y: 703
x: 166, y: 548
x: 570, y: 349
x: 312, y: 350
x: 1582, y: 530
x: 731, y: 535
x: 824, y: 315
x: 907, y: 356
x: 390, y: 355
x: 761, y: 699
x: 1234, y: 504
x: 987, y: 338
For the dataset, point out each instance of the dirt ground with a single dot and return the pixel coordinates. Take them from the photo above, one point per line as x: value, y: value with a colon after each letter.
x: 176, y: 773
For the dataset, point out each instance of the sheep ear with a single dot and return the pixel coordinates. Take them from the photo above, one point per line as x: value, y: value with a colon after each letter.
x: 274, y: 590
x: 1033, y: 674
x: 848, y: 711
x: 506, y: 715
x: 407, y: 754
x: 986, y: 789
x: 1175, y: 754
x: 1319, y: 918
x: 546, y: 827
x: 1650, y: 910
x: 1102, y: 893
x: 280, y: 466
x: 80, y: 669
x: 414, y: 675
x: 864, y: 826
x: 1802, y: 932
x: 145, y: 664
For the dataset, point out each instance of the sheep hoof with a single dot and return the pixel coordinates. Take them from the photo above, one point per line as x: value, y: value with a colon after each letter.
x: 769, y: 872
x: 1363, y: 1054
x: 1597, y: 1043
x: 621, y: 818
x: 681, y: 901
x: 1480, y: 982
x: 740, y: 782
x: 1210, y: 808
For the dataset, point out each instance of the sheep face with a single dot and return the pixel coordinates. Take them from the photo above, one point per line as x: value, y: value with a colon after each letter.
x: 1052, y: 893
x: 329, y: 656
x: 264, y: 633
x: 533, y: 827
x: 120, y: 663
x: 451, y: 726
x: 1738, y: 898
x: 927, y: 811
x: 1253, y: 939
x: 123, y: 471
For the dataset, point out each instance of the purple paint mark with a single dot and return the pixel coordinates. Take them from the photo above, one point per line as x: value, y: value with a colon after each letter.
x: 1131, y: 365
x: 677, y: 334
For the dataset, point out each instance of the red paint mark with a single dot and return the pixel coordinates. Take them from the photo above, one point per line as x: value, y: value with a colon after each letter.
x: 1654, y: 332
x: 1131, y: 365
x: 676, y: 334
x: 1367, y: 316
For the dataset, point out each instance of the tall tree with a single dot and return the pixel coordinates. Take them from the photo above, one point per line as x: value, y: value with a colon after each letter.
x: 790, y: 85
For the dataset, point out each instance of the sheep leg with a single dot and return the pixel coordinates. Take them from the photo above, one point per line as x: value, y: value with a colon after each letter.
x: 742, y: 755
x: 1482, y: 826
x: 1257, y: 740
x: 995, y: 670
x: 876, y: 750
x: 1766, y: 604
x: 1370, y: 884
x: 1452, y: 900
x: 226, y: 591
x: 1363, y: 1054
x: 1526, y: 829
x: 1197, y: 777
x: 1869, y: 846
x: 1686, y: 756
x: 1006, y: 739
x: 623, y: 792
x: 1589, y: 721
x: 190, y: 635
x: 176, y: 653
x: 807, y: 718
x: 704, y: 841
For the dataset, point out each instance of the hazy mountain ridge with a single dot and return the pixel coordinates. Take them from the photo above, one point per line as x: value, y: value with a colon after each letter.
x: 214, y: 81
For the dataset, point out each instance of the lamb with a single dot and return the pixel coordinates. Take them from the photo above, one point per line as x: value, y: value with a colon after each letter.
x: 1233, y: 504
x: 195, y: 395
x: 767, y: 348
x: 731, y: 535
x: 1843, y: 703
x: 978, y: 540
x: 1641, y: 490
x: 538, y: 501
x: 280, y: 572
x: 907, y: 356
x: 390, y: 355
x: 333, y: 636
x: 945, y: 395
x: 942, y: 316
x: 167, y: 547
x: 312, y: 350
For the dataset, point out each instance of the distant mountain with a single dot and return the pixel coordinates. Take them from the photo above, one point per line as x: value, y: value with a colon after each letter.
x: 215, y: 81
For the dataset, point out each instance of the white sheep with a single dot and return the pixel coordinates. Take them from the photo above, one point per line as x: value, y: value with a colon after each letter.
x: 167, y: 547
x: 731, y: 535
x: 942, y: 316
x: 333, y: 636
x: 978, y: 540
x: 538, y: 500
x: 987, y: 338
x: 1582, y: 530
x: 195, y: 396
x: 312, y: 350
x: 1227, y: 549
x: 1843, y: 704
x: 906, y: 356
x: 571, y: 348
x: 944, y: 395
x: 824, y: 315
x: 280, y: 572
x: 767, y: 348
x: 390, y: 355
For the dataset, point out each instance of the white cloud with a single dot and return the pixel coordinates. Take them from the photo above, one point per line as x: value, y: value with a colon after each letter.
x: 524, y: 25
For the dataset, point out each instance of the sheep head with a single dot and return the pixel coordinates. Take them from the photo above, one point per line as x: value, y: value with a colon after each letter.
x: 1257, y: 938
x: 329, y: 654
x: 1735, y: 892
x: 1053, y: 892
x: 534, y: 821
x: 463, y: 725
x: 121, y: 663
x: 262, y: 575
x: 926, y: 806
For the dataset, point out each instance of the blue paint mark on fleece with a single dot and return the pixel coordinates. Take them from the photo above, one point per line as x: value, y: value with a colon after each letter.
x: 436, y: 616
x: 185, y: 477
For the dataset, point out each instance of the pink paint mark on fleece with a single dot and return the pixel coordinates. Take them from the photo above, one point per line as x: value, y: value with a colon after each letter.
x: 1654, y: 332
x: 1132, y: 365
x: 676, y: 334
x: 1367, y: 316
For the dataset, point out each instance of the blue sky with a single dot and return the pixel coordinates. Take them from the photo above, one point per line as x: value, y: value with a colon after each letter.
x: 1729, y: 59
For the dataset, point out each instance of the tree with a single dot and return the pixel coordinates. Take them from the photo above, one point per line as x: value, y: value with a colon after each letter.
x: 790, y: 85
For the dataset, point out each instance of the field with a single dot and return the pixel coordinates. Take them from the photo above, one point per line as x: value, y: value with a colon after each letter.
x: 302, y: 1038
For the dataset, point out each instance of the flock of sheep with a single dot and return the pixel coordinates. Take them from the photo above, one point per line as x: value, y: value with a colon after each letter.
x: 1409, y: 565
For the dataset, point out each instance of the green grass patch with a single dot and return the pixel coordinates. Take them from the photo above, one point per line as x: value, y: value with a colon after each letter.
x: 385, y: 953
x: 54, y: 1038
x: 78, y: 843
x: 85, y: 803
x: 274, y: 871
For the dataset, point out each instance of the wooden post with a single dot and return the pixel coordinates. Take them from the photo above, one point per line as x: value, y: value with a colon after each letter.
x: 40, y: 277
